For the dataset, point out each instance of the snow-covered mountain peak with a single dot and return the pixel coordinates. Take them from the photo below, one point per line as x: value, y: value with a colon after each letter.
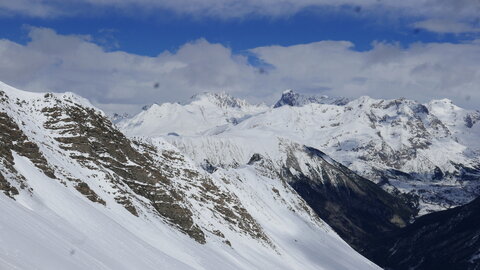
x: 287, y: 91
x: 212, y: 112
x: 220, y: 99
x: 291, y: 98
x: 442, y: 107
x: 442, y: 101
x: 453, y: 115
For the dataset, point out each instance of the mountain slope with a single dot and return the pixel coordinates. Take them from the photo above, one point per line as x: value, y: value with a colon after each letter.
x: 356, y: 208
x: 77, y: 190
x: 447, y: 239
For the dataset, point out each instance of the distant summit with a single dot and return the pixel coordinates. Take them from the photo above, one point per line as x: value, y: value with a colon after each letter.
x: 294, y: 99
x: 221, y: 99
x: 117, y: 117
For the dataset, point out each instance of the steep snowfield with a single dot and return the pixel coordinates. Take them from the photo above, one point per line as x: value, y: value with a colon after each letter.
x: 78, y: 195
x: 431, y: 151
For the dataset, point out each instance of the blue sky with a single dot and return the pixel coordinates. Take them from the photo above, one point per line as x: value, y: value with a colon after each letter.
x: 346, y: 48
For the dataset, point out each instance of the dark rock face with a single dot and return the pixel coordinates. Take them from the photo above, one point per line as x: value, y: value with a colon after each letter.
x: 437, y: 174
x: 207, y: 166
x: 288, y: 98
x: 13, y: 139
x: 472, y: 119
x: 468, y: 121
x: 356, y: 208
x: 7, y: 188
x: 447, y: 240
x: 89, y: 193
x: 255, y: 157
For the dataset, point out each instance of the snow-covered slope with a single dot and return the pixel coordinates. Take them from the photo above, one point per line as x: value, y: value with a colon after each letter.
x: 429, y: 151
x: 78, y: 194
x: 355, y: 207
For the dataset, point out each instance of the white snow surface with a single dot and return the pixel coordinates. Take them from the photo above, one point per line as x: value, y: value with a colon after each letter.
x: 50, y: 225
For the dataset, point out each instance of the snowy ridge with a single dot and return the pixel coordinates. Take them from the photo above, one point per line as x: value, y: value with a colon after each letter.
x: 76, y: 189
x: 212, y: 112
x: 222, y: 100
x: 292, y: 98
x: 40, y: 97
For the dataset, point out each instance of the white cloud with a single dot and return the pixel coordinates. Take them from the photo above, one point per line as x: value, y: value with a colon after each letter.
x: 446, y: 26
x: 73, y: 63
x: 123, y: 81
x: 422, y: 71
x: 239, y: 8
x: 27, y: 7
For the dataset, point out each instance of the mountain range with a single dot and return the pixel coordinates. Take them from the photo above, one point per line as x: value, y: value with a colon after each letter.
x: 311, y: 182
x: 430, y: 153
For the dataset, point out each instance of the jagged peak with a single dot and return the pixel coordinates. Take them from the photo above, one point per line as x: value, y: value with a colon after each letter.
x: 400, y: 105
x: 291, y: 98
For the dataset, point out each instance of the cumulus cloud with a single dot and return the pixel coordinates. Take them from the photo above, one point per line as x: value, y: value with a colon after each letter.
x: 422, y: 71
x: 120, y: 81
x: 53, y: 62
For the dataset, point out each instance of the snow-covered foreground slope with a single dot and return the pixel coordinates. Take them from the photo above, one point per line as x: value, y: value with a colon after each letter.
x: 77, y: 194
x: 430, y: 151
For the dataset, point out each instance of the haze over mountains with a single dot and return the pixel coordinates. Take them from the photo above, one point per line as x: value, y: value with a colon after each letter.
x: 220, y: 183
